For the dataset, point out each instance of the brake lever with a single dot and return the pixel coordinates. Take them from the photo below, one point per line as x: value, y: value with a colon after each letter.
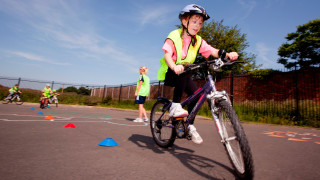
x: 232, y: 62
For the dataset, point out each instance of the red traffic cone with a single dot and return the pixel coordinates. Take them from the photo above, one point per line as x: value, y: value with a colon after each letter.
x: 70, y: 125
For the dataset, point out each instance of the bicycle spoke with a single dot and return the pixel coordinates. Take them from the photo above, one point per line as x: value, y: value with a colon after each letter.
x: 161, y: 126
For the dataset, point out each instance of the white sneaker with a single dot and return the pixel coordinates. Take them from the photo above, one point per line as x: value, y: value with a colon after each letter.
x: 146, y: 119
x: 138, y: 120
x: 177, y: 111
x: 195, y: 136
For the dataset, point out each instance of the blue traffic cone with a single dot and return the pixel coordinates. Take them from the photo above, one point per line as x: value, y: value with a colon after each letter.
x: 41, y: 113
x: 108, y: 142
x: 31, y: 108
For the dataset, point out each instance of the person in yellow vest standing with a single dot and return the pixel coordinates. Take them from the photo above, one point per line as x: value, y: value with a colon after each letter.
x: 181, y: 48
x: 142, y: 91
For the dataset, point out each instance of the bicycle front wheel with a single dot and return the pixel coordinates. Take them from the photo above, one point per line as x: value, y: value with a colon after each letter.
x: 17, y: 101
x: 235, y: 141
x: 162, y: 129
x: 42, y: 103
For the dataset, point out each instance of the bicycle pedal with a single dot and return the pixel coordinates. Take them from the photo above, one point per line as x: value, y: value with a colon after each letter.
x: 188, y: 137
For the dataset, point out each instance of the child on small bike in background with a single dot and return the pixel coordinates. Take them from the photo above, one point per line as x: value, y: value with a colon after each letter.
x: 14, y: 90
x: 181, y: 48
x: 53, y: 97
x: 142, y: 91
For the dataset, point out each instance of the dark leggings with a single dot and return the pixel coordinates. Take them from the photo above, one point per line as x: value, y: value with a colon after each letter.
x: 184, y: 83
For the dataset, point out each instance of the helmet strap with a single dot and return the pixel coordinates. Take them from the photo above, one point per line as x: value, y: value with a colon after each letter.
x: 193, y: 37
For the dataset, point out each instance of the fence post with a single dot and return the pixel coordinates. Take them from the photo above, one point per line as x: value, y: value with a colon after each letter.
x: 19, y: 80
x: 296, y: 93
x: 162, y: 90
x: 104, y: 90
x: 120, y: 92
x: 129, y: 92
x: 231, y: 87
x: 158, y: 89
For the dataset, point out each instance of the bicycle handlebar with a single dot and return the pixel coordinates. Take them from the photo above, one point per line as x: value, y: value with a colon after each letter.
x: 217, y: 63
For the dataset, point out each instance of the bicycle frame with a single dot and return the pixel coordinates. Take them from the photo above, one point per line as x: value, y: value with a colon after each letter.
x: 207, y: 91
x: 14, y: 96
x: 53, y: 98
x: 202, y: 92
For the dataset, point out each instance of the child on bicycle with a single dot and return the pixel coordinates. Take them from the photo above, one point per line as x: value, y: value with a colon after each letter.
x: 46, y: 92
x: 53, y: 97
x: 181, y: 48
x: 142, y: 91
x: 14, y: 90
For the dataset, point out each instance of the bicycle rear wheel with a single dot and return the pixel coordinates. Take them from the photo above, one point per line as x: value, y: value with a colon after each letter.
x: 162, y: 129
x: 5, y: 101
x: 16, y: 101
x: 235, y: 141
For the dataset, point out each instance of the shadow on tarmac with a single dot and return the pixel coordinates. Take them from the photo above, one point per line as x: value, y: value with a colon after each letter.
x: 203, y: 166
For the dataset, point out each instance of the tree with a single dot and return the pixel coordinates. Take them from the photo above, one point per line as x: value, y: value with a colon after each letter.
x: 84, y: 91
x: 303, y: 46
x: 232, y: 40
x: 71, y: 89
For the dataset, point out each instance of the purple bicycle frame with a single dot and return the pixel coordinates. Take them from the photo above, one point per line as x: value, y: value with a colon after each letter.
x: 203, y: 91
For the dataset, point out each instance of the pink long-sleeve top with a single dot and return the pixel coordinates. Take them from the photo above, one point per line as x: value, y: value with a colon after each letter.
x: 205, y: 49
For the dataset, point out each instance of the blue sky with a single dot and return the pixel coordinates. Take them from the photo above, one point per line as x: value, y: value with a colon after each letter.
x: 105, y: 42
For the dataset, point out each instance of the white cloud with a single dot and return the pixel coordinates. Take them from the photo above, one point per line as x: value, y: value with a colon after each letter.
x: 247, y: 6
x: 156, y: 14
x: 37, y: 58
x: 59, y: 24
x: 265, y: 55
x: 271, y: 3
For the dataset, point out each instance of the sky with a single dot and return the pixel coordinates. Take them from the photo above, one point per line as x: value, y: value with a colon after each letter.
x: 104, y: 42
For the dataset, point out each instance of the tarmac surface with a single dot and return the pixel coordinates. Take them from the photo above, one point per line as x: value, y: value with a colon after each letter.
x: 36, y: 145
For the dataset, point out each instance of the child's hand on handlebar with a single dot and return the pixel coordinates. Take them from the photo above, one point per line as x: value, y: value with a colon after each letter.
x: 178, y: 69
x: 232, y: 56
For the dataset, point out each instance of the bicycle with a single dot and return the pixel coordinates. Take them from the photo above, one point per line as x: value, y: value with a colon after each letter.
x: 166, y: 129
x: 13, y: 98
x: 44, y: 102
x: 55, y: 99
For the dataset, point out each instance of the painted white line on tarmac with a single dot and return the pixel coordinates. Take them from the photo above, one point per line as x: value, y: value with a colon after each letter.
x: 69, y: 119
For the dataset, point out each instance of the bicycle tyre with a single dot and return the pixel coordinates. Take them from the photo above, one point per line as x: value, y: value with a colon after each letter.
x: 15, y: 100
x: 42, y: 103
x: 235, y: 141
x: 18, y: 102
x: 162, y: 129
x: 5, y: 101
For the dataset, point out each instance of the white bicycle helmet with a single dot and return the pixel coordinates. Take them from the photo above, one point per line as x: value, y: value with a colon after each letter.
x: 193, y: 9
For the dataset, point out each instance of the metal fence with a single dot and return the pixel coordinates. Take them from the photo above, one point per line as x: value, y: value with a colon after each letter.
x: 293, y: 93
x: 39, y: 85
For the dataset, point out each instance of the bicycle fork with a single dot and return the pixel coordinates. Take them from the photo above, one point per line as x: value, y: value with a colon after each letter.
x: 222, y: 96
